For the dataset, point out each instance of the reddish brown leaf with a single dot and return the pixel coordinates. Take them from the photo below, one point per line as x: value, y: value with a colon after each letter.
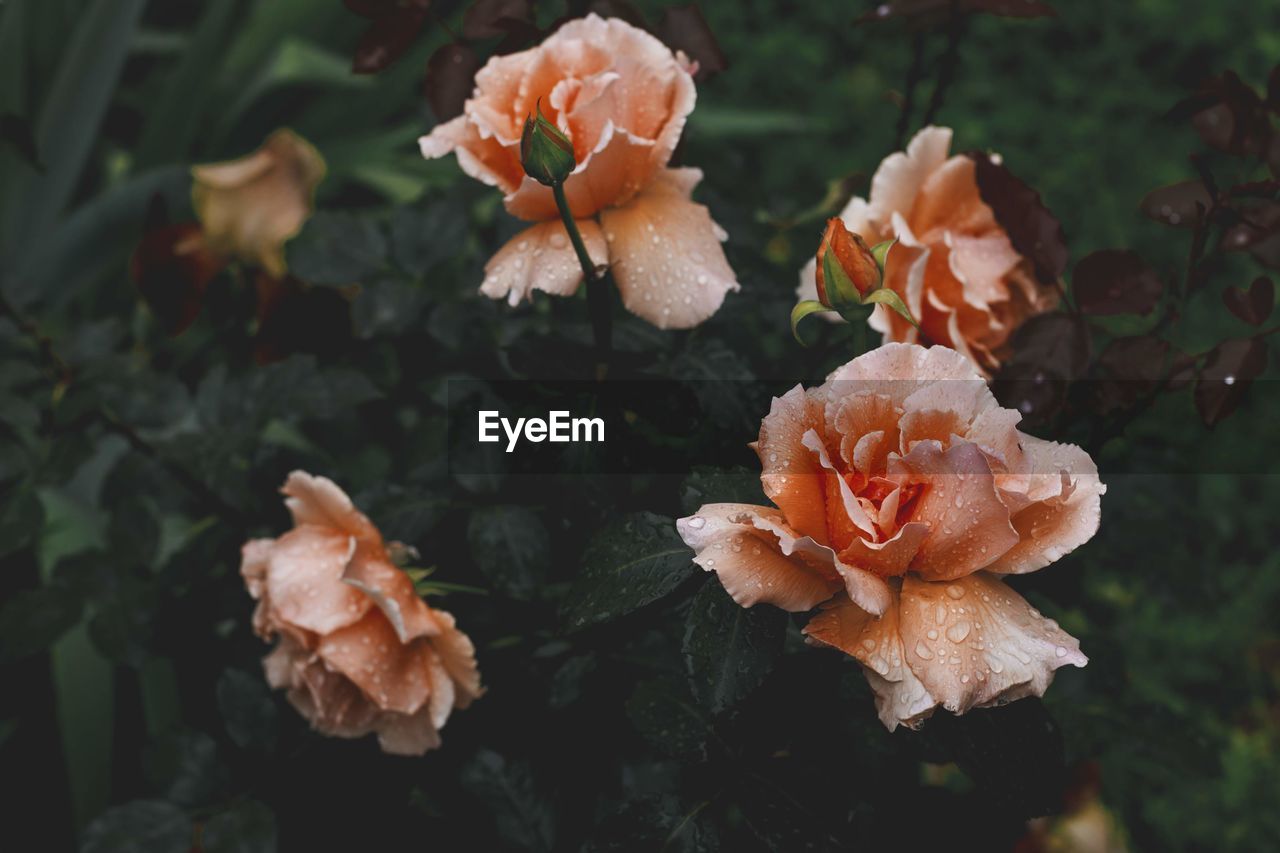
x: 1130, y: 368
x: 1254, y: 305
x: 1034, y: 231
x: 684, y: 28
x: 294, y: 316
x: 388, y: 38
x: 1183, y: 205
x: 1228, y: 371
x: 493, y: 18
x: 451, y: 76
x: 172, y: 267
x: 1115, y: 281
x: 1229, y: 115
x: 1257, y: 232
x: 1049, y: 352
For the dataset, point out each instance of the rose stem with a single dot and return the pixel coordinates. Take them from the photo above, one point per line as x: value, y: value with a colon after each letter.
x: 598, y: 305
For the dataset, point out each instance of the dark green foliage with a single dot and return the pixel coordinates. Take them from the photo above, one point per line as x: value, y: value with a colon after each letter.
x: 631, y: 705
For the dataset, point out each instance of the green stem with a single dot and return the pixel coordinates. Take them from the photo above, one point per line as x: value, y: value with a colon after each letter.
x: 598, y: 303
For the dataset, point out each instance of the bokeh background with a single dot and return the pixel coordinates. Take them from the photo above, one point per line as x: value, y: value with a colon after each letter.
x: 134, y: 463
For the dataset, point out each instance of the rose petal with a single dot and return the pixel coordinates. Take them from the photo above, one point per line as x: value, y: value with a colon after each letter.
x: 304, y: 585
x: 392, y: 590
x: 749, y: 560
x: 393, y: 675
x: 483, y: 157
x: 1053, y: 526
x: 792, y: 476
x: 408, y: 734
x: 897, y: 182
x: 969, y: 525
x: 319, y: 501
x: 541, y: 258
x: 458, y: 657
x: 877, y: 645
x: 665, y: 254
x: 974, y: 642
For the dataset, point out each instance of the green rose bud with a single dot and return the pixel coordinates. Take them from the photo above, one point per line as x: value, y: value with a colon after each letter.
x: 545, y: 152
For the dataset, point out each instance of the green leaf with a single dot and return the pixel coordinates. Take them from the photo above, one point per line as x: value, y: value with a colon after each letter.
x: 669, y: 719
x: 424, y: 234
x: 247, y: 827
x: 172, y: 121
x: 889, y: 297
x: 707, y: 485
x: 248, y: 709
x: 512, y: 548
x: 729, y: 649
x: 634, y: 561
x: 31, y: 620
x: 142, y: 826
x: 185, y: 766
x: 517, y: 806
x: 804, y: 309
x: 338, y: 247
x: 21, y: 518
x: 67, y: 129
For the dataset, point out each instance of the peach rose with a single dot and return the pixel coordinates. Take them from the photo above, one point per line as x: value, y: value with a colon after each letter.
x: 953, y: 265
x: 903, y: 492
x: 622, y: 97
x: 359, y: 651
x: 252, y: 206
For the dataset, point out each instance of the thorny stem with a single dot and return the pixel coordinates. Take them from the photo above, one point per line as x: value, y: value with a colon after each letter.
x: 915, y: 72
x: 598, y: 305
x: 950, y: 60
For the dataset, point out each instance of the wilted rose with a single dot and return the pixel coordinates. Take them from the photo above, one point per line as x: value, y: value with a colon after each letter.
x: 954, y: 265
x: 904, y: 492
x: 359, y: 652
x: 622, y: 98
x: 252, y: 206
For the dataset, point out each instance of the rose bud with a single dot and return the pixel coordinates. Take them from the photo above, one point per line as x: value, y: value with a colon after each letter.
x: 847, y: 269
x: 545, y: 152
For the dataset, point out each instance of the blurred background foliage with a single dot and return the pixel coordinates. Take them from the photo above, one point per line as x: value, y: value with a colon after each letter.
x: 134, y: 464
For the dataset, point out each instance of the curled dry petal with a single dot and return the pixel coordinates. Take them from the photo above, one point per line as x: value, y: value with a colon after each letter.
x: 359, y: 651
x: 250, y: 207
x: 903, y: 478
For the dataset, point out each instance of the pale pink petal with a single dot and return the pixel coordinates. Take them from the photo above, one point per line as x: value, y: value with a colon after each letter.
x: 304, y: 583
x: 974, y: 642
x: 331, y: 703
x: 981, y: 264
x: 1057, y: 524
x: 458, y: 656
x: 408, y: 734
x: 897, y: 370
x: 949, y: 200
x: 969, y: 525
x: 541, y: 257
x: 792, y: 476
x: 393, y: 675
x: 665, y: 254
x: 255, y: 559
x: 876, y: 643
x: 749, y: 560
x: 392, y: 590
x: 890, y: 557
x: 319, y: 501
x: 485, y: 158
x: 898, y: 180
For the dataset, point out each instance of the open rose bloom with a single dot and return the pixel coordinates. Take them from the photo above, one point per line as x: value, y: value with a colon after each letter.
x: 953, y: 265
x: 904, y: 492
x: 622, y: 97
x: 359, y: 652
